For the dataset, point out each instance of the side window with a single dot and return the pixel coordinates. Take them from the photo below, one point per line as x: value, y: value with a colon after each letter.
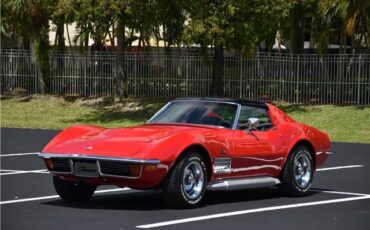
x: 259, y: 117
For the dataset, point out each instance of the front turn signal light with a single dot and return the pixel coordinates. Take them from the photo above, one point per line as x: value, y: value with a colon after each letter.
x: 134, y: 170
x: 150, y: 168
x: 49, y: 163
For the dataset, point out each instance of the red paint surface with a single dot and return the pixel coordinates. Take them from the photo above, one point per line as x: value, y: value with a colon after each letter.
x: 261, y: 154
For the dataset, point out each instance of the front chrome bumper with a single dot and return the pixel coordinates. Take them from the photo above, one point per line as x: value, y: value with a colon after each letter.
x: 92, y: 157
x: 330, y: 153
x: 98, y: 161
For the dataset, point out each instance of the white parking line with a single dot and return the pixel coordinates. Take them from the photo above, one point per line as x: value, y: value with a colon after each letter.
x: 339, y: 167
x: 56, y: 196
x: 342, y: 193
x: 15, y: 172
x: 17, y: 154
x: 248, y: 211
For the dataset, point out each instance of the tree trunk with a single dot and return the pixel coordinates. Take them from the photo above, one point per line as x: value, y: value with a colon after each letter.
x: 60, y: 43
x: 343, y: 38
x: 111, y: 38
x: 69, y: 37
x: 60, y: 37
x: 86, y: 38
x: 297, y: 26
x: 313, y: 32
x: 131, y: 39
x: 217, y: 84
x: 40, y: 52
x: 121, y: 78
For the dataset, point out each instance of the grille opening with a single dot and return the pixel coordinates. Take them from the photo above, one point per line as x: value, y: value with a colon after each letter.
x: 85, y: 161
x: 115, y: 168
x: 61, y: 165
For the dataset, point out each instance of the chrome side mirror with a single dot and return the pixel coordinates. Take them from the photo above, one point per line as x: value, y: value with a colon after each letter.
x: 253, y: 123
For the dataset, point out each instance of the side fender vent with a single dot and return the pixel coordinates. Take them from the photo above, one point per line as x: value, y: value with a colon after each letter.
x: 222, y: 166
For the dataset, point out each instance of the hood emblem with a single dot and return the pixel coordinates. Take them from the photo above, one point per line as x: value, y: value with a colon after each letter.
x: 89, y: 147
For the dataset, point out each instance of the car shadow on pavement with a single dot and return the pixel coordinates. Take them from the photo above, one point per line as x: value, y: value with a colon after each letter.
x: 246, y: 195
x: 132, y: 200
x: 153, y: 200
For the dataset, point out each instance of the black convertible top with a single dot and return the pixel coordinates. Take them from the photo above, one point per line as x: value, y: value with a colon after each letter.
x: 256, y: 103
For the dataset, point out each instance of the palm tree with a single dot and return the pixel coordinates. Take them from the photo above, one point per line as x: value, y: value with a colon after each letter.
x: 357, y: 19
x: 32, y: 18
x: 354, y: 16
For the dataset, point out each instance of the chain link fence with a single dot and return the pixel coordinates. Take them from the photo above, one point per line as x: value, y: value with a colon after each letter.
x: 328, y: 79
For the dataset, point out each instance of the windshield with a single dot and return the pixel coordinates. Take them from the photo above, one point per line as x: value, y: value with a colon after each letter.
x: 197, y: 112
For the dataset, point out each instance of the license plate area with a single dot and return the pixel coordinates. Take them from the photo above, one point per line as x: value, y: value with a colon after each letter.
x: 86, y: 169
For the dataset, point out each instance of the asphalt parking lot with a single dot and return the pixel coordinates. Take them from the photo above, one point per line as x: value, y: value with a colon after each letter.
x: 340, y: 197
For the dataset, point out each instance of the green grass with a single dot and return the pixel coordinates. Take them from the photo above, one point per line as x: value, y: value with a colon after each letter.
x: 342, y: 123
x: 48, y: 112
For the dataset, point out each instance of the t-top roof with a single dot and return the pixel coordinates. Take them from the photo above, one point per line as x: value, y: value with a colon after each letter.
x: 238, y: 101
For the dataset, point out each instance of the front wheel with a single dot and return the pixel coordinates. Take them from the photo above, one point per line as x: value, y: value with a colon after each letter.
x: 186, y: 184
x: 298, y: 172
x: 73, y: 191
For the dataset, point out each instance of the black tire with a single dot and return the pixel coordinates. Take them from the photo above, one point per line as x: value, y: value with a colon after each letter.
x: 73, y: 191
x: 180, y: 178
x: 296, y: 179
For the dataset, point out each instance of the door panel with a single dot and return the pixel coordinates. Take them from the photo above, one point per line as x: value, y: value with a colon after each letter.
x: 255, y: 154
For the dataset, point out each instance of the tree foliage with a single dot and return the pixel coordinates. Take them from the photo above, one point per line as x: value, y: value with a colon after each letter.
x: 27, y: 24
x: 239, y: 26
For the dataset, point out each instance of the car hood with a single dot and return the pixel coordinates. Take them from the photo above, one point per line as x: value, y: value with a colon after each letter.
x: 119, y: 142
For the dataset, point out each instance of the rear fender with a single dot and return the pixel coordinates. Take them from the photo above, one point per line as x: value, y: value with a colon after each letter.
x: 316, y: 140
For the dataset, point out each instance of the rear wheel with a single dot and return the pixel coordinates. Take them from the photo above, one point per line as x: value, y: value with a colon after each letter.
x: 73, y: 191
x: 298, y: 172
x: 186, y: 184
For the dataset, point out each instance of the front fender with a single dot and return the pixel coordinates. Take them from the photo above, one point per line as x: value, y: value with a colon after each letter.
x: 71, y: 133
x: 170, y: 148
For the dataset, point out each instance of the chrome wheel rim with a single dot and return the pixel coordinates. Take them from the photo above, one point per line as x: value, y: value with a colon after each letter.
x: 193, y: 180
x: 302, y: 169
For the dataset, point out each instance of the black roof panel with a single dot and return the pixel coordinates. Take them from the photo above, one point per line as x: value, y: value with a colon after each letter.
x: 234, y: 100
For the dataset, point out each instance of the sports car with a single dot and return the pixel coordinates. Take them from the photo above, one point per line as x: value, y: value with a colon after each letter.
x: 190, y: 146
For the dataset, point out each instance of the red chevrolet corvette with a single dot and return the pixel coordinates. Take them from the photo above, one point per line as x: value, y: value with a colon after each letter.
x: 189, y: 146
